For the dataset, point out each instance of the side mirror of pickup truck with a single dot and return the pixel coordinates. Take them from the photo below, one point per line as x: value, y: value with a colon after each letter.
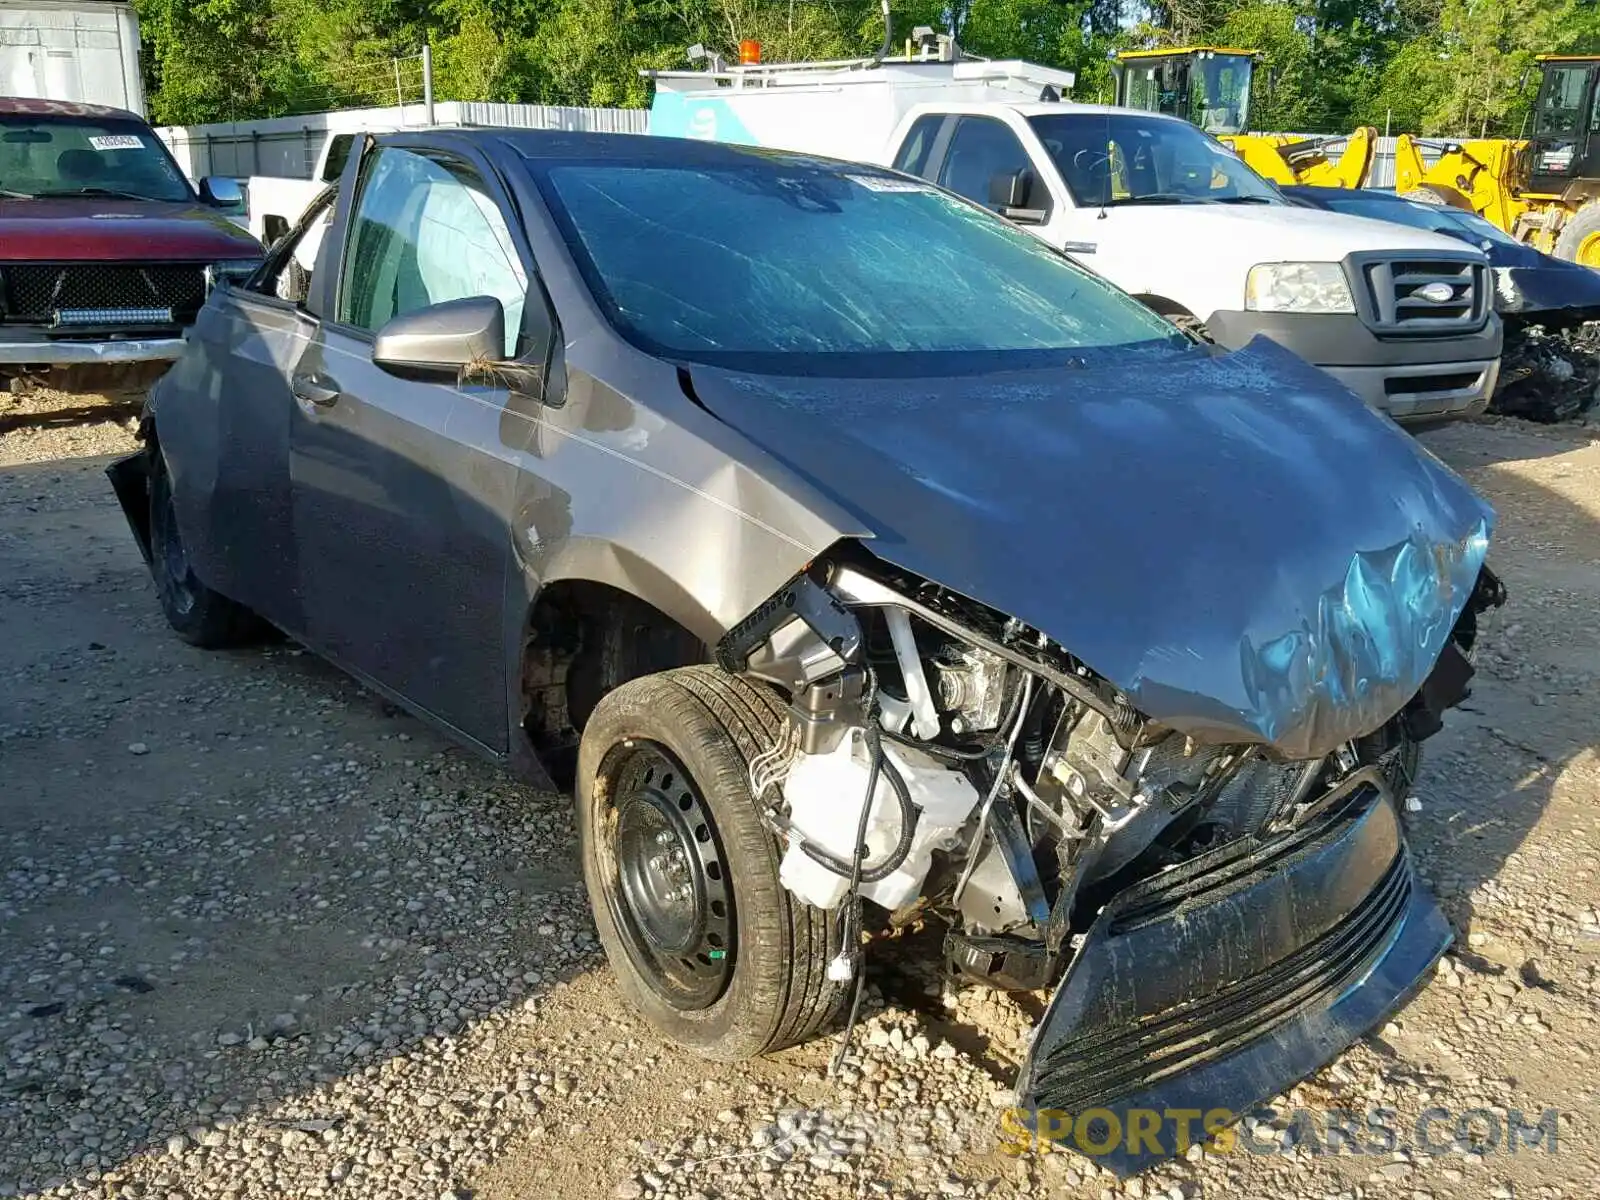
x: 1009, y: 192
x: 437, y: 341
x: 221, y: 191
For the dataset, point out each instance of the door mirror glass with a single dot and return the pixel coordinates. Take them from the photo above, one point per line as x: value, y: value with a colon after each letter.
x: 221, y: 191
x: 441, y: 339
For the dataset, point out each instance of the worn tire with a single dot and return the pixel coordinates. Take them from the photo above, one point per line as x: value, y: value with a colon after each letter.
x: 197, y: 614
x: 1580, y: 227
x: 712, y: 723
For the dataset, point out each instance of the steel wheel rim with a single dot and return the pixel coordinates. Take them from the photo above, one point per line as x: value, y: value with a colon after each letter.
x: 1589, y: 250
x: 667, y: 886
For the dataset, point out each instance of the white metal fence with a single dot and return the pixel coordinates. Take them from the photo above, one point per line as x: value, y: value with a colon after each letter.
x: 288, y: 146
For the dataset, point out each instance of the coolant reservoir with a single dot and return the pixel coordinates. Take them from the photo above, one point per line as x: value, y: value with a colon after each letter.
x: 825, y: 793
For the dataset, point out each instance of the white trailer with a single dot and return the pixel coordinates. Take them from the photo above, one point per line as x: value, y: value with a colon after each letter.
x: 841, y: 109
x: 77, y: 50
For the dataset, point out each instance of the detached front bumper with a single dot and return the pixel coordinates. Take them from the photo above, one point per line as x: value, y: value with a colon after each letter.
x: 1208, y: 989
x: 1410, y: 378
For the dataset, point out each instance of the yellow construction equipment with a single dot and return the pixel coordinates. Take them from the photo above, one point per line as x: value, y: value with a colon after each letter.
x: 1210, y: 86
x: 1309, y: 160
x: 1544, y: 189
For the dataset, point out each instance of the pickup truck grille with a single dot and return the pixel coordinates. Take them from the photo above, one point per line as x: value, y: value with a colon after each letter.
x: 34, y: 293
x: 1423, y: 295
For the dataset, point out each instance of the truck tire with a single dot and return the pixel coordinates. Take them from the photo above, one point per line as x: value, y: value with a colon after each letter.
x: 682, y: 872
x: 197, y: 614
x: 1579, y: 239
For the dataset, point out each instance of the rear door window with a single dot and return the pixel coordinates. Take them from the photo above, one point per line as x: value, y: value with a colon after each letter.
x: 427, y: 230
x: 914, y: 151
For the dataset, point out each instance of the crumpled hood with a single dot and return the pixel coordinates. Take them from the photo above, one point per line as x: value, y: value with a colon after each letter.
x: 1565, y: 291
x: 1233, y: 540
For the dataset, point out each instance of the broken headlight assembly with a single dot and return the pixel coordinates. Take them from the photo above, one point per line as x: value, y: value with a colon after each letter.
x: 944, y: 759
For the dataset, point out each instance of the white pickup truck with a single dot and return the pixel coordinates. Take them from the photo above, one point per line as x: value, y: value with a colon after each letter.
x: 1403, y: 317
x: 275, y: 202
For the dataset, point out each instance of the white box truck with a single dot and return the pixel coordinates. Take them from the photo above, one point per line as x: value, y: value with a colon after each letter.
x: 1403, y: 317
x: 75, y: 50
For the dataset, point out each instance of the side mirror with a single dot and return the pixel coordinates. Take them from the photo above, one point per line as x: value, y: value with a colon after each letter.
x: 221, y: 191
x: 442, y: 338
x: 1008, y: 194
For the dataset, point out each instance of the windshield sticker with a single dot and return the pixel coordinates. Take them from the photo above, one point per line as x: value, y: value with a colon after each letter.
x: 116, y: 141
x: 885, y: 183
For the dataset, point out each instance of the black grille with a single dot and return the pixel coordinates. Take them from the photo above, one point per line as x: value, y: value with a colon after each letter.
x: 1103, y: 1066
x: 32, y: 293
x: 1425, y: 295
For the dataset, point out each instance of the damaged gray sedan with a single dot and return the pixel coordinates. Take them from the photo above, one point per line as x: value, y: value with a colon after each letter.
x: 856, y: 559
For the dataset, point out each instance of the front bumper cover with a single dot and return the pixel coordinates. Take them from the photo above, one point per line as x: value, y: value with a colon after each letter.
x: 1412, y: 377
x: 1222, y: 982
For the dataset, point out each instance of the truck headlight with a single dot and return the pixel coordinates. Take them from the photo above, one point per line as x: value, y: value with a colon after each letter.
x: 235, y: 270
x: 1298, y: 288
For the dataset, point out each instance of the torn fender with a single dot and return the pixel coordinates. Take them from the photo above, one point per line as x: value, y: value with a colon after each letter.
x: 130, y: 481
x: 1548, y: 292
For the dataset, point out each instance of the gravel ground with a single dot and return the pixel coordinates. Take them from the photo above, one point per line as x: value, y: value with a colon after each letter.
x: 263, y: 935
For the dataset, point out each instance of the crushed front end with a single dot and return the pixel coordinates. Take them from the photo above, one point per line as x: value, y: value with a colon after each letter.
x: 1221, y: 900
x: 1216, y: 984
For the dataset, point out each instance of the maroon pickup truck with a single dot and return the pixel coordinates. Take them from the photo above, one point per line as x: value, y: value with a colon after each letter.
x: 106, y: 251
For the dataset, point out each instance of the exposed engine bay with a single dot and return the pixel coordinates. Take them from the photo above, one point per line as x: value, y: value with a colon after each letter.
x: 1013, y: 791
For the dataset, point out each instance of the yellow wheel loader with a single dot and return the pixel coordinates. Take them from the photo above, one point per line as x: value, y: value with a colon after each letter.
x: 1210, y: 86
x: 1543, y: 190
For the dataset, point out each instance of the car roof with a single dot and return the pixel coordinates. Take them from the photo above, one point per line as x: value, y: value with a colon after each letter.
x: 35, y: 107
x: 549, y: 145
x: 1046, y: 108
x: 545, y: 145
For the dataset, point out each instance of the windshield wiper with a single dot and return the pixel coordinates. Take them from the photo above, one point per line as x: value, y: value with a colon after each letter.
x: 7, y: 194
x: 115, y: 193
x: 1163, y: 198
x: 1243, y: 200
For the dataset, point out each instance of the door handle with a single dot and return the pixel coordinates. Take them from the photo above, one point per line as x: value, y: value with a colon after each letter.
x: 315, y: 389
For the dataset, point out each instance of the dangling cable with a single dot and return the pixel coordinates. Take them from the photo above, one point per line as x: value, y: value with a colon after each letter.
x: 1000, y: 780
x: 850, y: 941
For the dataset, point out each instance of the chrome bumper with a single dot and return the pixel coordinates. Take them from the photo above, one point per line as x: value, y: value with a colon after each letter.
x: 64, y: 353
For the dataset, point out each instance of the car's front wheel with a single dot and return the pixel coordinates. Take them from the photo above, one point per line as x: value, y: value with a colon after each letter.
x: 197, y: 614
x: 683, y: 874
